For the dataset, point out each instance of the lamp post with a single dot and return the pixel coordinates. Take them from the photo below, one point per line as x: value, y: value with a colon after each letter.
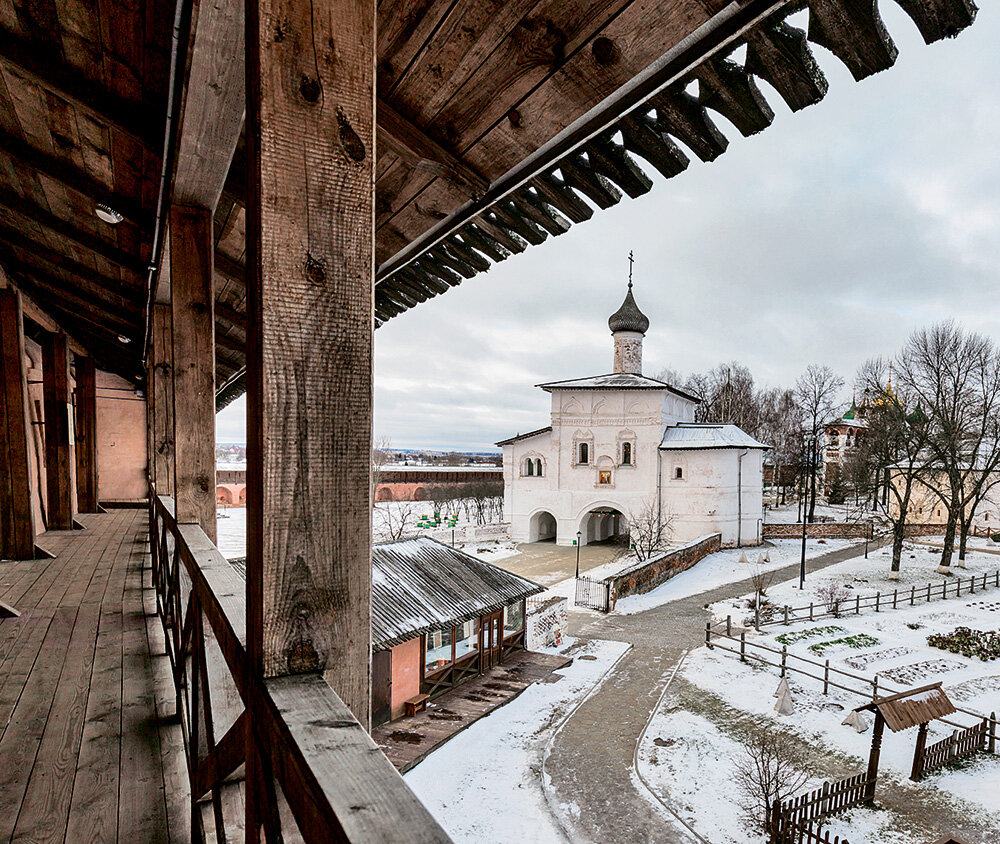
x: 812, y: 468
x: 579, y: 536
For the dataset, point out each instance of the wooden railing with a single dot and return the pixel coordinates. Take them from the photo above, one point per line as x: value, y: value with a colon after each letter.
x: 958, y: 745
x: 321, y: 777
x: 853, y: 605
x: 792, y: 821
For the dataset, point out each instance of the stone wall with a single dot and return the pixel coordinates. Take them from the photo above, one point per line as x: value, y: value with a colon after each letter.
x: 818, y: 530
x: 545, y: 622
x: 649, y: 574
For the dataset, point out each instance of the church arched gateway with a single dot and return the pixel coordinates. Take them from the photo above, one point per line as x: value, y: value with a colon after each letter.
x: 621, y: 445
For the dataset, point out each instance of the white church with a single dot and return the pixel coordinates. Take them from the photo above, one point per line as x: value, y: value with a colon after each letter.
x: 622, y: 443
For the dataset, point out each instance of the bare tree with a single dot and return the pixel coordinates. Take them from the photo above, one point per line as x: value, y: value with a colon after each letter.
x: 816, y: 393
x: 394, y: 520
x: 649, y: 530
x: 771, y: 769
x: 955, y: 377
x: 381, y: 456
x: 780, y: 428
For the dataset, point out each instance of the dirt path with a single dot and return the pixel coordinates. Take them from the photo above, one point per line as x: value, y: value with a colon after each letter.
x: 591, y: 760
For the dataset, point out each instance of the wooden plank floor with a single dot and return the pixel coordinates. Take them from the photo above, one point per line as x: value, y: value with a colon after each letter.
x: 89, y: 748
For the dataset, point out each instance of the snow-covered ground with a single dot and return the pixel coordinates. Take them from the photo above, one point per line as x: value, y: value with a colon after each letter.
x: 789, y: 513
x: 725, y: 567
x: 487, y: 783
x: 231, y: 527
x: 891, y: 644
x: 681, y: 757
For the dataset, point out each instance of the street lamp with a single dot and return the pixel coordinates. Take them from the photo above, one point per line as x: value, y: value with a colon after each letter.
x: 812, y: 468
x: 579, y: 536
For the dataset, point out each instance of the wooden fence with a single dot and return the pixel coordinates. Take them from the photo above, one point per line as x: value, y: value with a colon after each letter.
x: 958, y: 745
x: 792, y: 820
x: 880, y: 600
x: 789, y: 663
x: 322, y: 777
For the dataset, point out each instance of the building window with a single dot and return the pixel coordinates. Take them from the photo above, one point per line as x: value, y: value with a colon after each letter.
x: 604, y: 476
x: 538, y: 467
x: 678, y: 473
x: 513, y: 619
x: 529, y: 467
x: 584, y: 453
x: 626, y: 454
x: 466, y: 639
x: 438, y: 650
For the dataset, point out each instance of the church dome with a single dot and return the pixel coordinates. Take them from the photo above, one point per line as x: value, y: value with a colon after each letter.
x: 628, y: 317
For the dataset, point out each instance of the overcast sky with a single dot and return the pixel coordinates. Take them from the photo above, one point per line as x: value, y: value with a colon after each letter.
x: 826, y: 239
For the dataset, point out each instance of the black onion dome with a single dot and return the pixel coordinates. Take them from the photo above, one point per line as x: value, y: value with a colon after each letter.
x: 628, y: 317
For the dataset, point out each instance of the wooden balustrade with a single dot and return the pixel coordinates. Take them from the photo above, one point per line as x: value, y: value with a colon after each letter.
x: 325, y: 779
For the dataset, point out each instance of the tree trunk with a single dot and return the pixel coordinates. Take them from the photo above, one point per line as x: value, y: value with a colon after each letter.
x: 898, y: 535
x: 949, y: 539
x: 964, y: 525
x: 812, y: 491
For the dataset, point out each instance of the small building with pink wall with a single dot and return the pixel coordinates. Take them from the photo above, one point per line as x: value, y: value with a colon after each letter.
x: 439, y: 617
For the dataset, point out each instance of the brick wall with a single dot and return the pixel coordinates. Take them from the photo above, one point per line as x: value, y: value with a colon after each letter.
x: 647, y: 575
x: 819, y: 530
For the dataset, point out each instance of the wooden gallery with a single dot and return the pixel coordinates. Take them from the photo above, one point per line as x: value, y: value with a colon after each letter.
x: 439, y: 616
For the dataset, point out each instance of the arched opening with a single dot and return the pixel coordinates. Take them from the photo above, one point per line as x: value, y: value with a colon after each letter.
x: 542, y: 527
x: 384, y: 494
x: 626, y: 454
x: 538, y: 467
x: 224, y: 496
x: 529, y: 467
x: 584, y: 453
x: 419, y: 494
x: 603, y: 525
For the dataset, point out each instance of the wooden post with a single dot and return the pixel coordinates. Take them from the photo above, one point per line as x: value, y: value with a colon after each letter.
x: 784, y: 658
x: 161, y: 394
x: 17, y: 529
x: 872, y: 773
x: 992, y: 746
x: 917, y: 769
x: 58, y: 472
x: 708, y: 634
x: 743, y: 646
x: 193, y: 332
x: 729, y: 626
x: 826, y: 677
x: 310, y: 282
x: 86, y: 435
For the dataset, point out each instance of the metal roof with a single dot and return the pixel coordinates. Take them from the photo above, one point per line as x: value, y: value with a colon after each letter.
x: 526, y: 436
x: 419, y: 585
x: 617, y: 381
x: 628, y: 317
x: 692, y: 435
x: 912, y: 707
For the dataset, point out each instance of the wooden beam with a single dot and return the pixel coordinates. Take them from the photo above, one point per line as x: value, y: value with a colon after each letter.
x: 161, y: 394
x: 85, y: 435
x: 233, y: 270
x: 193, y: 329
x: 17, y: 528
x: 212, y: 104
x: 310, y: 274
x: 69, y: 175
x: 42, y: 216
x: 415, y: 146
x: 48, y: 286
x: 58, y: 467
x: 143, y: 121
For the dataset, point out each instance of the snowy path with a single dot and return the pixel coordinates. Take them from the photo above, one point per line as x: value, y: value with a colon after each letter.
x: 591, y: 763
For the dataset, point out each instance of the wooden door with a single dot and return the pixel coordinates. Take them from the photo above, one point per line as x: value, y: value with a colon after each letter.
x: 492, y: 638
x: 381, y: 687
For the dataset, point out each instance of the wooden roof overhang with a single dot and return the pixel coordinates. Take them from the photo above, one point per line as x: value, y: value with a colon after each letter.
x: 499, y: 125
x: 912, y: 707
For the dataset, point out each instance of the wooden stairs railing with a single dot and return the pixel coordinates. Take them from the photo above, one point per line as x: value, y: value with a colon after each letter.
x: 322, y: 778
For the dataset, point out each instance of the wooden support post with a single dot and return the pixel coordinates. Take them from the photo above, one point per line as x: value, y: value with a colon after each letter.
x: 917, y: 769
x: 310, y: 294
x: 872, y: 773
x: 58, y: 471
x: 161, y: 393
x: 86, y: 435
x: 992, y: 745
x: 17, y: 530
x: 826, y: 677
x: 193, y: 333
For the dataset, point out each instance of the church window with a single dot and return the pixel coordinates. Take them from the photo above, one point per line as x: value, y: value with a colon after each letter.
x: 538, y: 467
x: 529, y: 468
x: 584, y: 453
x: 604, y: 476
x: 626, y: 454
x: 678, y: 473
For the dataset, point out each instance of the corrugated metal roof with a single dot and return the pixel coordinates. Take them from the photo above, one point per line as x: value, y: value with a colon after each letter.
x: 913, y: 707
x: 420, y: 585
x: 689, y: 435
x: 617, y: 381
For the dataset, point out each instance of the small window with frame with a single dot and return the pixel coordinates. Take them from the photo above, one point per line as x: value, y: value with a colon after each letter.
x: 626, y: 454
x: 678, y: 473
x: 584, y: 453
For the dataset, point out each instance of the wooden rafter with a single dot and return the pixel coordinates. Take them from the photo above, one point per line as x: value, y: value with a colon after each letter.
x: 144, y: 122
x: 63, y: 296
x: 71, y: 176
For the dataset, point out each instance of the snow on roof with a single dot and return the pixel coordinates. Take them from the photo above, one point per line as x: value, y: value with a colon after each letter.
x: 691, y: 435
x: 475, y: 467
x: 530, y: 434
x: 419, y: 585
x: 616, y: 381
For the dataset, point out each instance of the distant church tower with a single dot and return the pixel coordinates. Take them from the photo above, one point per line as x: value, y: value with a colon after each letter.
x: 628, y: 326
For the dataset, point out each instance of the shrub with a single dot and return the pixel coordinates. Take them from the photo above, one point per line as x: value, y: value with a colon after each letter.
x: 833, y: 594
x: 984, y: 644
